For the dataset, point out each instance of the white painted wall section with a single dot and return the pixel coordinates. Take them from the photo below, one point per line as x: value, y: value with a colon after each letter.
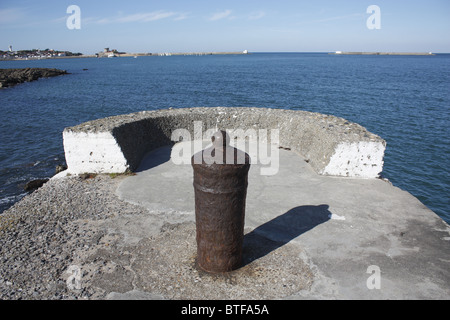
x: 362, y: 159
x: 93, y: 152
x: 334, y: 146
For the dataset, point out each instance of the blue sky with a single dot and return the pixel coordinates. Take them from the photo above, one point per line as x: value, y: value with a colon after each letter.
x: 191, y: 25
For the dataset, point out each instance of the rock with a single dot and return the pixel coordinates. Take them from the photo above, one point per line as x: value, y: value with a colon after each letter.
x: 34, y: 184
x: 85, y: 176
x: 11, y: 77
x: 60, y: 168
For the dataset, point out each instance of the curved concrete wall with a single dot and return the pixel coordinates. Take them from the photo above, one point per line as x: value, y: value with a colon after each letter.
x: 332, y: 145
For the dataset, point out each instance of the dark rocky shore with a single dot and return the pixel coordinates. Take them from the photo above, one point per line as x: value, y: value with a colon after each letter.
x: 11, y: 77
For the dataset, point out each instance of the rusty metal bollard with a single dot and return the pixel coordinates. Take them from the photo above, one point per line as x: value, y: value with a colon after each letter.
x: 220, y: 194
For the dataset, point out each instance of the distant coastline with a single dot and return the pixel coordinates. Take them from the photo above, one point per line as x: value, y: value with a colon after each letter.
x: 46, y: 58
x: 245, y: 52
x: 113, y: 54
x: 384, y: 53
x: 35, y: 54
x: 118, y: 55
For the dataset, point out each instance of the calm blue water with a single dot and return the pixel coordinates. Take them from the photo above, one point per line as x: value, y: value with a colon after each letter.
x: 404, y: 99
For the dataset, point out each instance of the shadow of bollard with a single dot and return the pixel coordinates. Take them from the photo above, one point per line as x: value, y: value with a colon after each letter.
x: 282, y: 229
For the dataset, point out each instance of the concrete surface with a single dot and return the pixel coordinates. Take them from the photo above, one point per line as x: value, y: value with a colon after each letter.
x: 332, y: 145
x: 307, y: 237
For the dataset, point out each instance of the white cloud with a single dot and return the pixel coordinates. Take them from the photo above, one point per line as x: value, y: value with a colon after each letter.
x: 11, y: 15
x: 346, y: 17
x: 255, y: 15
x: 138, y: 17
x: 146, y: 17
x: 220, y: 15
x: 181, y: 16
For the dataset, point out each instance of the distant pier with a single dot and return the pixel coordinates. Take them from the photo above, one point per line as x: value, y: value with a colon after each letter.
x: 384, y: 53
x: 183, y: 53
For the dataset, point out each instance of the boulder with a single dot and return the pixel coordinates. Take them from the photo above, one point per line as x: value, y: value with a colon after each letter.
x: 60, y: 168
x: 35, y: 184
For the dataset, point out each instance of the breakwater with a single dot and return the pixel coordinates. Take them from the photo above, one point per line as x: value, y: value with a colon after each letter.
x: 128, y: 54
x: 384, y: 53
x: 200, y: 53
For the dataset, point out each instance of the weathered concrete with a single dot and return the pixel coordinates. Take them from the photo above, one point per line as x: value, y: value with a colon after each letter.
x: 307, y: 236
x: 333, y: 228
x: 332, y: 145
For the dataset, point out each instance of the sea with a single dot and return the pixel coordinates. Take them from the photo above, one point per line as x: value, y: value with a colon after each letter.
x: 403, y: 99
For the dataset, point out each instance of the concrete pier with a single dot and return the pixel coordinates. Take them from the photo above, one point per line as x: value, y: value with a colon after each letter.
x: 311, y: 236
x: 332, y: 145
x: 383, y: 53
x: 321, y: 227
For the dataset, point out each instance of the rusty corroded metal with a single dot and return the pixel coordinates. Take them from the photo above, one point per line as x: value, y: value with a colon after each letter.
x: 220, y: 184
